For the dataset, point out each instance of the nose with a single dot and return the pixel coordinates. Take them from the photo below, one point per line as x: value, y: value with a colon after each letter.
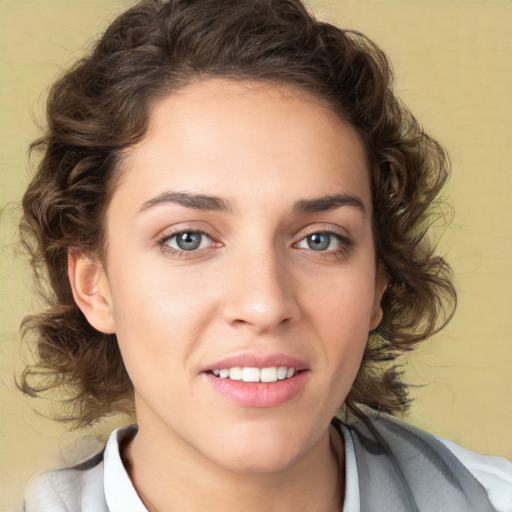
x: 259, y: 293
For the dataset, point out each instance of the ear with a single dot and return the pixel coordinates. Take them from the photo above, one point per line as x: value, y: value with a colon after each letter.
x: 381, y: 284
x: 91, y: 290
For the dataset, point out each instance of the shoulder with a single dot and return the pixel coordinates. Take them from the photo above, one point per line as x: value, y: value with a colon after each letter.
x: 423, y: 461
x: 69, y: 490
x: 96, y: 485
x: 493, y: 473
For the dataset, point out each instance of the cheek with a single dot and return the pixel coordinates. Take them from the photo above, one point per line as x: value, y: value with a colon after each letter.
x: 343, y: 303
x: 341, y: 315
x: 158, y: 316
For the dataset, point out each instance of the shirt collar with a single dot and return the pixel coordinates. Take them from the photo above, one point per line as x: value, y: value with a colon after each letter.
x: 351, y: 502
x: 121, y: 495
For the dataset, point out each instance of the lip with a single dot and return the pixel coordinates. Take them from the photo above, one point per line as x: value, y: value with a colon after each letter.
x: 258, y: 394
x: 248, y: 360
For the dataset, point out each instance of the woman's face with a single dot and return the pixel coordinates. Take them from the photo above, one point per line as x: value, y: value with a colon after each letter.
x: 240, y: 243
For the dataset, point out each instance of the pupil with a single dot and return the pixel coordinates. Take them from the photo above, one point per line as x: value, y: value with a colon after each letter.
x: 189, y: 241
x: 319, y: 241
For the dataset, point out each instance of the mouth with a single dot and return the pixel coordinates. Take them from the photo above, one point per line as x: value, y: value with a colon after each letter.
x: 258, y: 381
x: 251, y: 374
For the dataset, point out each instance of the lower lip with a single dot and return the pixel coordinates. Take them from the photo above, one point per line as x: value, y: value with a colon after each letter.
x: 258, y: 394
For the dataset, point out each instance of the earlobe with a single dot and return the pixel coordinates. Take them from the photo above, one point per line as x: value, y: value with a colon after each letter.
x: 91, y: 290
x: 381, y: 285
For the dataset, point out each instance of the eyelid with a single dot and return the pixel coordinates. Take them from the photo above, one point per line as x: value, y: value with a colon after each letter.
x: 186, y: 226
x: 332, y: 236
x: 173, y: 231
x: 175, y: 235
x: 345, y: 245
x: 346, y: 242
x: 330, y: 229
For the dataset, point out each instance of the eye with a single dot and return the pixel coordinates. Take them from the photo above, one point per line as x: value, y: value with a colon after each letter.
x: 322, y: 241
x: 187, y: 241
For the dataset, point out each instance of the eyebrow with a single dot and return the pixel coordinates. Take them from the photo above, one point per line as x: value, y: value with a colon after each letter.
x: 213, y: 203
x: 329, y: 202
x: 188, y: 200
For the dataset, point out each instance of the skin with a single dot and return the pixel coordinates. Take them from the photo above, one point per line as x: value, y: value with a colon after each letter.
x: 254, y: 286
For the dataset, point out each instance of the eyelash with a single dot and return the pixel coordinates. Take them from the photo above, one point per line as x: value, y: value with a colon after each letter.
x: 345, y: 244
x: 178, y: 253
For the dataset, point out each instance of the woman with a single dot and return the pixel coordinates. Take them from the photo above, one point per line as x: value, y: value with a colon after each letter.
x: 231, y: 208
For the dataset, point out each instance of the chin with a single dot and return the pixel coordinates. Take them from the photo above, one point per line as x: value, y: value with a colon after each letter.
x: 260, y: 449
x: 260, y: 461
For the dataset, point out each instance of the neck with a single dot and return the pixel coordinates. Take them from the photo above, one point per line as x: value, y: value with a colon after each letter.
x: 169, y: 474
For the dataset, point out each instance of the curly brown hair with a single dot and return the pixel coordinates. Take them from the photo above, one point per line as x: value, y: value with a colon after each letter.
x: 100, y: 107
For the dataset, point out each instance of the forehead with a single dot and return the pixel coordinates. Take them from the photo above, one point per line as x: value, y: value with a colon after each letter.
x: 242, y: 139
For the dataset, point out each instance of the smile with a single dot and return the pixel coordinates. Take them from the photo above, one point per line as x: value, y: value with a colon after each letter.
x: 248, y: 374
x: 249, y: 379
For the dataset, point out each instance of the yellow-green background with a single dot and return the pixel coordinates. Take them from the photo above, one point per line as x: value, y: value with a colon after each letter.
x: 453, y: 61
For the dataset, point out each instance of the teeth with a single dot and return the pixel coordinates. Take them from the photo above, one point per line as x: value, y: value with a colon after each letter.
x: 235, y: 373
x: 281, y: 372
x: 251, y: 374
x: 270, y: 374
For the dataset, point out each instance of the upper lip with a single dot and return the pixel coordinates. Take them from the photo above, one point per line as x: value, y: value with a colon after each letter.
x: 251, y: 360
